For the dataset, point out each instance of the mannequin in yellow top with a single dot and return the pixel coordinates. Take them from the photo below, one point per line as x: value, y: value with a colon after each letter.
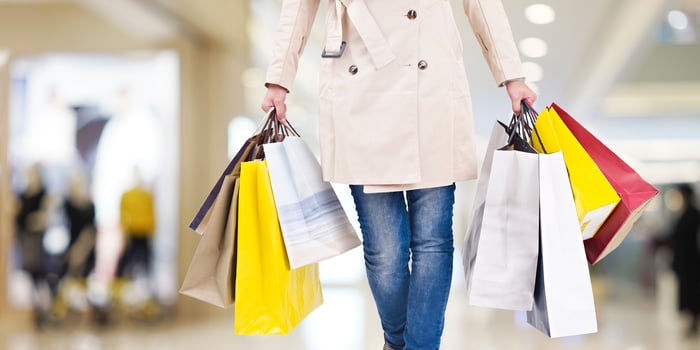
x: 137, y: 219
x: 137, y: 216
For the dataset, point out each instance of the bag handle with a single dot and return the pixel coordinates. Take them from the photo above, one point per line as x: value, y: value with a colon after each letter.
x: 533, y: 118
x: 272, y: 131
x: 522, y: 126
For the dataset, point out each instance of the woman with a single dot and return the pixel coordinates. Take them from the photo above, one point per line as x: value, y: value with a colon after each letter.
x: 395, y: 124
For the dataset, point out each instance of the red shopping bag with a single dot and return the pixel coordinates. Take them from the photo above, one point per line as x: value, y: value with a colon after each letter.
x: 635, y: 193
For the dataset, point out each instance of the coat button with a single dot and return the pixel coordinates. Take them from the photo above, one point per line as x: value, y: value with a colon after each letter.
x: 353, y: 69
x: 422, y: 64
x: 412, y: 14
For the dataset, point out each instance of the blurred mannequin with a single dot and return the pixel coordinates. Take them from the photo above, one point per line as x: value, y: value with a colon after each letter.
x: 686, y: 256
x: 131, y: 139
x: 137, y: 218
x: 50, y: 141
x: 32, y: 222
x: 51, y: 131
x: 80, y: 212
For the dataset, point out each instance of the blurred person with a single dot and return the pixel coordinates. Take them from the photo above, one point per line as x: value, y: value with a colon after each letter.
x: 686, y: 256
x: 396, y: 125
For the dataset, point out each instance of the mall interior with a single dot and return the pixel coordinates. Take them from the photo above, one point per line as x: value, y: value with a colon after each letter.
x: 101, y: 98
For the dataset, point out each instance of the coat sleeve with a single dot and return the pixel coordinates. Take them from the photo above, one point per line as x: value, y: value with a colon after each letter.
x: 491, y: 27
x: 296, y: 19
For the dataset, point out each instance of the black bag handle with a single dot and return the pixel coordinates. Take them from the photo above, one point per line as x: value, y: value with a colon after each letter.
x: 521, y: 128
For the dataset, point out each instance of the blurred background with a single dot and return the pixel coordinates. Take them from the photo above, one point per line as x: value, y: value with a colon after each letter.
x: 102, y: 100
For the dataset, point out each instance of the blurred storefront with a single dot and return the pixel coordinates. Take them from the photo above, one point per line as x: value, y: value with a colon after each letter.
x: 105, y: 90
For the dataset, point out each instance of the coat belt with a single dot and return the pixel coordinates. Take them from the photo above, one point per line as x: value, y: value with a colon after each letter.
x: 366, y: 27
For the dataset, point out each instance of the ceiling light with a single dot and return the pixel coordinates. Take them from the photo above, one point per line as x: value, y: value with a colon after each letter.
x: 678, y: 20
x: 533, y: 47
x: 540, y: 14
x: 533, y: 71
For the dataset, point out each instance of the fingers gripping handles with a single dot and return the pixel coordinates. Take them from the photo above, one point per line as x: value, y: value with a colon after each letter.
x: 272, y: 131
x: 521, y: 128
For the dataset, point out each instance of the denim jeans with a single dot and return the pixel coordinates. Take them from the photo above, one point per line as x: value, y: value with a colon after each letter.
x: 408, y: 248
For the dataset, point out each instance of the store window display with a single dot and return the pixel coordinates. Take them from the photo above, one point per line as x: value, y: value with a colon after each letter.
x: 88, y: 120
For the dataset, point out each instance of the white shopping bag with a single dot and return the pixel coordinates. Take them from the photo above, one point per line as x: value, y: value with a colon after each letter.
x: 314, y: 224
x: 498, y: 139
x: 506, y: 260
x: 564, y: 303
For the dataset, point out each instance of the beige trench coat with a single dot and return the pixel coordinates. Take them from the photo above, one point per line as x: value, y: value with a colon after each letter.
x: 396, y: 116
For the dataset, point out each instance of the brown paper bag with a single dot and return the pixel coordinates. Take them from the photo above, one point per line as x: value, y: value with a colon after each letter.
x: 211, y: 274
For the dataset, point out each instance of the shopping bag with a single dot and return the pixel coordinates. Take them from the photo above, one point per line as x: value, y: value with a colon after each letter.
x: 506, y: 259
x: 314, y: 224
x: 594, y: 196
x: 271, y: 298
x: 498, y: 139
x: 563, y: 294
x: 211, y: 274
x: 635, y: 193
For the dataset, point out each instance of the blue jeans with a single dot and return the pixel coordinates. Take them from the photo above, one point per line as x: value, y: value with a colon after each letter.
x: 397, y: 230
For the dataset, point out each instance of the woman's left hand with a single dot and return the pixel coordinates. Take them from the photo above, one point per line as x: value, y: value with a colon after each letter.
x: 518, y: 91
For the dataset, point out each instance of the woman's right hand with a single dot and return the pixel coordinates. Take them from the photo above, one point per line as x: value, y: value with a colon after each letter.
x: 275, y: 97
x: 519, y: 91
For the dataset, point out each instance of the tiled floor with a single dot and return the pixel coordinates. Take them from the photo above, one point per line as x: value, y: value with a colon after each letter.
x: 628, y: 318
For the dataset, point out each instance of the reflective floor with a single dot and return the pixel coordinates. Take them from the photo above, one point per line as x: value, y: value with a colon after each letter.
x: 629, y: 319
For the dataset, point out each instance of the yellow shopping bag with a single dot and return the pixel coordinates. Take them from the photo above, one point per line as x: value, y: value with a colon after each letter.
x: 594, y: 196
x: 270, y: 298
